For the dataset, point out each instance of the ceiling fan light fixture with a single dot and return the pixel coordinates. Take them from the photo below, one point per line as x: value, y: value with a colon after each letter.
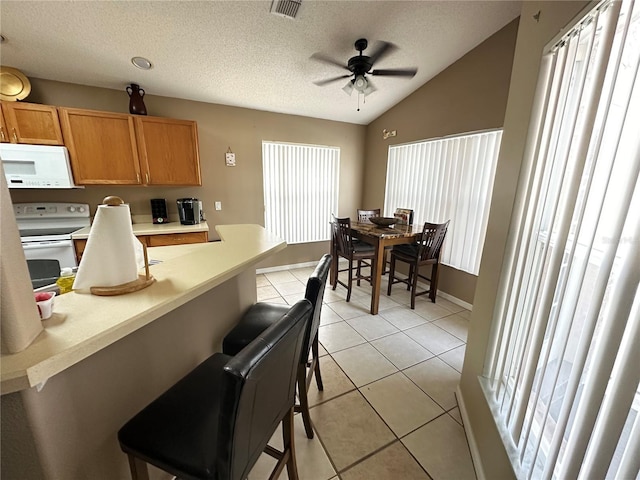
x: 348, y: 88
x: 368, y: 90
x: 360, y: 84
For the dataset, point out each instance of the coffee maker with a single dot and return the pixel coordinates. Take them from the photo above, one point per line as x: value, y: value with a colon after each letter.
x: 189, y: 211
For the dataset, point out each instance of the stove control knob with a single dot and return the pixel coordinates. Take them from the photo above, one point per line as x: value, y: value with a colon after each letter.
x: 71, y: 208
x: 81, y: 209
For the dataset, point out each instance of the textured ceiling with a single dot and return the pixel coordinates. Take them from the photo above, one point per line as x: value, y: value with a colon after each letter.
x: 238, y: 53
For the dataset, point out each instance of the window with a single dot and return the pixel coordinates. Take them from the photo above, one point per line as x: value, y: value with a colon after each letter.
x: 447, y: 179
x: 563, y: 369
x: 300, y: 190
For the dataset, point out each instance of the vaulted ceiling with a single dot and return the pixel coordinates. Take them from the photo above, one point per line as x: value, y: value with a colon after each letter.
x: 238, y: 53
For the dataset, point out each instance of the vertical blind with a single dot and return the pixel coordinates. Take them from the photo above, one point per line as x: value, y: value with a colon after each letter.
x: 447, y: 179
x: 300, y: 190
x: 563, y: 368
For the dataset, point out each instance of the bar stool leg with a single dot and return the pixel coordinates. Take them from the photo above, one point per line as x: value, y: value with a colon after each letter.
x: 138, y: 468
x: 289, y: 445
x: 392, y: 269
x: 414, y: 286
x: 304, y: 402
x: 350, y: 280
x: 316, y: 356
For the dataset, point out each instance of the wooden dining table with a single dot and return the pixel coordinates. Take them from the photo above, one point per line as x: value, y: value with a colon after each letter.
x: 379, y: 237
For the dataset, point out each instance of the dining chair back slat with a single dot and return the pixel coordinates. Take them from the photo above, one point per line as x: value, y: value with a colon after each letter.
x: 365, y: 215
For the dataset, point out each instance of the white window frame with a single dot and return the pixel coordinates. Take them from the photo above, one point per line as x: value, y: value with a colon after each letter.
x: 449, y: 178
x: 300, y: 190
x: 562, y: 371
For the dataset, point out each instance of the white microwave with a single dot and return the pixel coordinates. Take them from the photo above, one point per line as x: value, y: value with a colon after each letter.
x: 36, y: 166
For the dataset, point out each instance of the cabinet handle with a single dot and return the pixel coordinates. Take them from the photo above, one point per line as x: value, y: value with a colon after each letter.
x: 2, y: 135
x: 138, y: 177
x: 15, y: 135
x: 147, y: 175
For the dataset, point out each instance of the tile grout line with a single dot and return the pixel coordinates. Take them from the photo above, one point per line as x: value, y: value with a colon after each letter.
x: 357, y: 389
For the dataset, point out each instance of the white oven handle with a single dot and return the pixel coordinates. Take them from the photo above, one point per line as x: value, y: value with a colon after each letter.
x: 48, y: 244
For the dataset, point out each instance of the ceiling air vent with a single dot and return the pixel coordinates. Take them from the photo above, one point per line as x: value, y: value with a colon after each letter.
x: 286, y: 8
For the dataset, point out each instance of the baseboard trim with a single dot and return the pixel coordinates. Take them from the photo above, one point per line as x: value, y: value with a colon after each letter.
x: 455, y: 300
x: 471, y: 439
x: 281, y: 268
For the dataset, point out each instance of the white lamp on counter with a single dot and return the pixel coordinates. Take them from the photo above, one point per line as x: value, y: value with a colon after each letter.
x: 113, y: 255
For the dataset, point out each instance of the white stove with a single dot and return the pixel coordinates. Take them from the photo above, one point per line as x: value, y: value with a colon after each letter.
x: 45, y: 229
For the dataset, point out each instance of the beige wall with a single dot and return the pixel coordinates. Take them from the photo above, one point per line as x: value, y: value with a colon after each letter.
x: 219, y: 127
x: 532, y: 37
x: 469, y: 95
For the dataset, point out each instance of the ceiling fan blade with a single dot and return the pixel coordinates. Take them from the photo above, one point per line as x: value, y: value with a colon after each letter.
x: 323, y: 58
x: 382, y: 49
x: 396, y: 72
x: 327, y: 81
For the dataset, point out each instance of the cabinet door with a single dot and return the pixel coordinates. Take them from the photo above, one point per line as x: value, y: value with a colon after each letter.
x: 102, y: 147
x: 168, y: 151
x: 4, y: 133
x: 32, y: 123
x: 79, y: 245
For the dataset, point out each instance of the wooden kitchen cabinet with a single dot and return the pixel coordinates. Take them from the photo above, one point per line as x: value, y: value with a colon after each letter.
x: 30, y: 123
x: 79, y: 246
x: 168, y: 151
x: 102, y: 147
x: 4, y: 132
x: 119, y: 149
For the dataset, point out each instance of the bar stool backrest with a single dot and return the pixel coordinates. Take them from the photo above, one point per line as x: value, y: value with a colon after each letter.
x: 431, y: 240
x: 258, y: 390
x: 342, y: 235
x: 315, y: 294
x: 365, y: 215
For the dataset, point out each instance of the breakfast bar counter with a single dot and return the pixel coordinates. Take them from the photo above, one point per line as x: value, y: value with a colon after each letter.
x: 101, y: 359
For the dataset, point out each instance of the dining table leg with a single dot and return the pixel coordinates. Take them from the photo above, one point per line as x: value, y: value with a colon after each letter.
x: 376, y: 276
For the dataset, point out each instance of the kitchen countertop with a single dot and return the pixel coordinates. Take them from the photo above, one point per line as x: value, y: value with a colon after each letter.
x: 83, y: 324
x: 151, y: 229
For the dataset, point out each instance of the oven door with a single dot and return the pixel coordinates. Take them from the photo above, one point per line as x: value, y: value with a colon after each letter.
x: 61, y: 250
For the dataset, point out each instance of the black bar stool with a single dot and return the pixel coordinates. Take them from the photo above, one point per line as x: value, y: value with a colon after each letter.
x: 216, y: 422
x: 261, y: 315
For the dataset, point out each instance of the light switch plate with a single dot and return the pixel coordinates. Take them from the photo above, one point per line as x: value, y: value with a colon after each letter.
x: 218, y: 205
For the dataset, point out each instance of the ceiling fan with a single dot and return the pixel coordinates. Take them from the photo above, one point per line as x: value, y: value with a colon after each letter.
x: 361, y: 65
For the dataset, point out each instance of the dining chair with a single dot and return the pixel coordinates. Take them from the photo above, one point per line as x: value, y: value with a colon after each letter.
x: 261, y: 315
x: 425, y: 251
x: 365, y: 215
x: 404, y: 216
x: 353, y: 251
x: 218, y: 419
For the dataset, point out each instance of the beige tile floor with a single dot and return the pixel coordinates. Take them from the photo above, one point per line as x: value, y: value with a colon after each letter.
x: 388, y: 409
